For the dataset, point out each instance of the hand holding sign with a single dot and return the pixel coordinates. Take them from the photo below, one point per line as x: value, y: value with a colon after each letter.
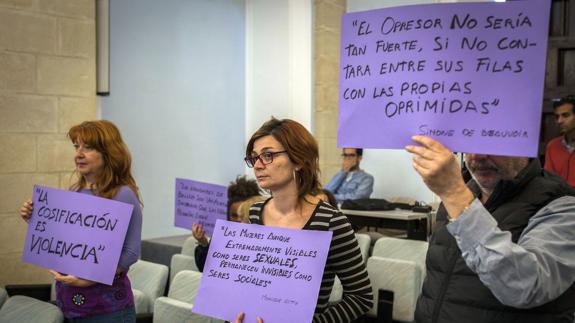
x: 441, y: 173
x: 26, y: 210
x: 437, y: 166
x: 240, y: 318
x: 71, y: 280
x: 200, y: 203
x: 199, y: 234
x: 78, y: 234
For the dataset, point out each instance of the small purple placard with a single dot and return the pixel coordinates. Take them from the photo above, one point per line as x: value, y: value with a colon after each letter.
x: 468, y: 74
x: 76, y: 234
x: 270, y: 272
x: 198, y: 202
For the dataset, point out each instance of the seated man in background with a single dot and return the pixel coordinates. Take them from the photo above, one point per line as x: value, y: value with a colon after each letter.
x: 502, y: 249
x: 351, y: 183
x: 239, y: 191
x: 559, y: 152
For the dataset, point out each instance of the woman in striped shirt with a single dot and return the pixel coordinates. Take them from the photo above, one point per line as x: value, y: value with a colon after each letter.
x: 284, y: 156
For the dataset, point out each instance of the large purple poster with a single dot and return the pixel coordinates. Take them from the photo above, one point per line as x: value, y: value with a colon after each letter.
x: 76, y: 234
x: 198, y: 202
x: 468, y: 74
x: 270, y: 272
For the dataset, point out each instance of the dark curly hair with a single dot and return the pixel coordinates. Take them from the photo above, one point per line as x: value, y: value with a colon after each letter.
x: 241, y: 189
x: 569, y: 99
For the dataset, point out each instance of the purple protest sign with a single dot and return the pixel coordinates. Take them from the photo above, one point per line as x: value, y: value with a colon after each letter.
x: 76, y: 234
x: 198, y: 202
x: 468, y: 74
x: 270, y: 272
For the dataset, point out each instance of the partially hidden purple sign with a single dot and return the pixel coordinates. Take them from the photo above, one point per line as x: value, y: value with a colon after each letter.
x: 470, y: 75
x: 198, y: 202
x: 77, y: 234
x: 270, y: 272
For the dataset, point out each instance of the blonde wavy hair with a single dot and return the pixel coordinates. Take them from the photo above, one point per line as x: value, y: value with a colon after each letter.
x: 244, y: 208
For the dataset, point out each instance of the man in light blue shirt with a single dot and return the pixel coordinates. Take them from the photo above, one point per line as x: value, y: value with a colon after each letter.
x: 503, y: 249
x: 351, y: 183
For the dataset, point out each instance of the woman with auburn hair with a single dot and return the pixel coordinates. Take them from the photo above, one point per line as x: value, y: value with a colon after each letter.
x: 284, y: 156
x: 103, y: 165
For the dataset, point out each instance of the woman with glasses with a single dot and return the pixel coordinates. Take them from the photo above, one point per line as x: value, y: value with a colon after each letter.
x: 103, y: 166
x: 284, y: 156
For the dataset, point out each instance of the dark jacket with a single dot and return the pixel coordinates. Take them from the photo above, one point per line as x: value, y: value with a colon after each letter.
x: 452, y: 293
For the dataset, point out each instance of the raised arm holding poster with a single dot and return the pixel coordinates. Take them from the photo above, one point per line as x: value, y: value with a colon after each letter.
x: 198, y: 202
x: 468, y: 74
x: 76, y: 234
x: 270, y: 272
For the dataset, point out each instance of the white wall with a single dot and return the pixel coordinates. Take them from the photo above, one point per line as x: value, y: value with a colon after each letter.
x: 177, y: 80
x: 278, y: 63
x: 192, y: 80
x: 361, y: 5
x: 188, y: 88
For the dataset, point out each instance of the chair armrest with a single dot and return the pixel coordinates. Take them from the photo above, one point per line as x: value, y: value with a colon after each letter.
x: 385, y: 306
x: 181, y: 262
x: 145, y: 318
x: 37, y: 291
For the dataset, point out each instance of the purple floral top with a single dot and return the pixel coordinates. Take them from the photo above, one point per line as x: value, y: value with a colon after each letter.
x: 96, y: 299
x: 99, y: 298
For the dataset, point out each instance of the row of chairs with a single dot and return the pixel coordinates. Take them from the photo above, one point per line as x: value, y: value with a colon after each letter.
x: 396, y: 268
x: 177, y: 306
x: 27, y: 309
x: 35, y: 303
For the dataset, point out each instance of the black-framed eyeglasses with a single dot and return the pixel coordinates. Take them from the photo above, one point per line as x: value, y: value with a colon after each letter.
x: 344, y: 155
x: 267, y: 157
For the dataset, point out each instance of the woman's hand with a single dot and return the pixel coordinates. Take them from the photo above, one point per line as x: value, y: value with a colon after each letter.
x: 199, y: 234
x: 240, y: 318
x: 71, y: 280
x: 26, y: 210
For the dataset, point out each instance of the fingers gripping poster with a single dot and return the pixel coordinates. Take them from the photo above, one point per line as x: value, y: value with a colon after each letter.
x: 76, y: 234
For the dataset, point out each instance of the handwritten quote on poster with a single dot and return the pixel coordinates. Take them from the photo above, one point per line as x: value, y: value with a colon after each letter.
x: 468, y: 74
x: 198, y: 202
x: 270, y: 272
x: 76, y: 234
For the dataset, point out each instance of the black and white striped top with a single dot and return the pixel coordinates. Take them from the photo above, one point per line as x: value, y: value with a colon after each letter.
x: 344, y: 260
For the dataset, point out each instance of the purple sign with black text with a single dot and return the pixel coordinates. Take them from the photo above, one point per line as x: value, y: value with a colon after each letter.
x: 470, y: 75
x: 76, y: 234
x: 270, y: 272
x: 198, y: 202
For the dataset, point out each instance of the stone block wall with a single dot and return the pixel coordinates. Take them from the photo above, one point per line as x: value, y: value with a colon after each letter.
x: 327, y: 29
x: 47, y: 84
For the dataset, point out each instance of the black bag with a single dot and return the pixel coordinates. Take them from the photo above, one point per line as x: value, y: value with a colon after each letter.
x: 368, y: 205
